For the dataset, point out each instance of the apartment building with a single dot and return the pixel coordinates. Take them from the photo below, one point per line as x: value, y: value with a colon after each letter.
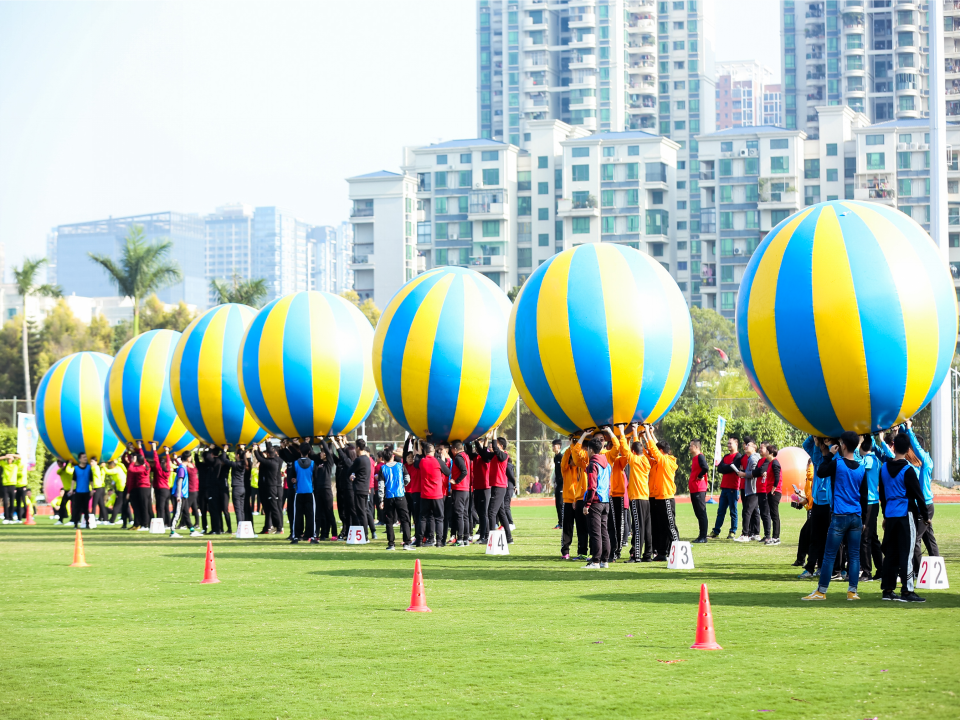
x: 740, y: 94
x: 772, y: 105
x: 872, y: 55
x: 383, y: 217
x: 753, y: 178
x: 229, y: 247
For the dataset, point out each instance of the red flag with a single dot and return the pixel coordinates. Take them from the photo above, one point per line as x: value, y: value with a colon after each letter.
x: 723, y: 356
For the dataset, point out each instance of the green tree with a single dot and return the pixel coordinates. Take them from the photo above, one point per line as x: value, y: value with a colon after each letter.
x: 25, y: 278
x: 367, y: 307
x: 63, y: 333
x: 143, y: 269
x: 247, y: 291
x: 513, y: 293
x: 153, y: 316
x: 711, y: 331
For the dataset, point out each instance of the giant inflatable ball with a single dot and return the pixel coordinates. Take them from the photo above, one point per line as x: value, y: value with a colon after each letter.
x: 600, y: 334
x: 203, y: 377
x: 793, y: 469
x: 440, y: 355
x: 846, y: 318
x: 71, y: 417
x: 305, y: 366
x: 139, y: 404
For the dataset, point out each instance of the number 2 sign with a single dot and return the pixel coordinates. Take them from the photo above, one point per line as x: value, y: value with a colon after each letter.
x: 932, y: 574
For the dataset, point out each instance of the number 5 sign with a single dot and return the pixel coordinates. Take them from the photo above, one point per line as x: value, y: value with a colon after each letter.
x: 681, y: 556
x: 356, y: 535
x: 933, y: 573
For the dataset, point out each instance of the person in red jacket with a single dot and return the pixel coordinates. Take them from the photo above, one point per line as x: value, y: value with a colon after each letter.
x: 761, y: 474
x: 433, y: 475
x: 410, y: 448
x: 480, y: 485
x: 138, y: 483
x: 769, y: 489
x: 729, y: 487
x: 161, y: 467
x: 460, y: 495
x: 698, y: 488
x: 495, y: 454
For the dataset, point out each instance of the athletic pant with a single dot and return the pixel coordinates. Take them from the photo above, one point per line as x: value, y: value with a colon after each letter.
x: 614, y: 528
x: 803, y: 545
x: 764, y: 509
x: 597, y: 521
x: 755, y: 521
x: 461, y: 513
x: 750, y: 509
x: 566, y: 524
x: 449, y: 517
x: 202, y: 506
x: 99, y: 498
x: 925, y: 533
x: 271, y: 503
x: 162, y: 499
x: 699, y: 502
x: 773, y: 505
x: 819, y: 525
x: 665, y: 527
x: 413, y: 502
x: 67, y: 495
x: 326, y: 518
x: 225, y: 507
x: 728, y: 499
x: 81, y: 507
x: 122, y: 506
x: 9, y: 494
x: 182, y: 505
x: 21, y: 502
x: 193, y: 508
x: 481, y: 500
x: 430, y: 529
x: 249, y: 498
x: 146, y: 512
x: 240, y: 503
x: 395, y: 509
x: 288, y: 494
x: 870, y: 548
x: 642, y: 529
x: 214, y: 501
x: 511, y: 490
x: 361, y: 513
x: 558, y: 502
x: 345, y: 504
x: 844, y: 528
x: 496, y: 513
x: 899, y: 539
x: 304, y: 514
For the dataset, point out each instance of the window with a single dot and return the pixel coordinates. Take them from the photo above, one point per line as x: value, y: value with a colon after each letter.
x: 874, y: 140
x: 580, y: 152
x: 633, y: 171
x: 753, y: 219
x: 441, y: 231
x: 466, y: 178
x: 811, y: 194
x: 681, y: 205
x: 542, y: 161
x: 778, y: 216
x: 779, y: 144
x: 954, y: 240
x: 558, y: 230
x: 681, y: 225
x: 467, y: 158
x: 609, y: 151
x: 726, y: 273
x: 875, y: 161
x: 491, y: 176
x: 751, y: 166
x: 633, y: 197
x: 726, y: 167
x: 752, y: 194
x: 606, y: 171
x: 681, y: 105
x: 491, y: 229
x: 524, y: 205
x: 558, y: 178
x: 780, y: 164
x: 580, y: 173
x: 490, y: 155
x: 524, y: 257
x: 440, y: 179
x: 726, y: 147
x: 727, y: 301
x: 543, y: 213
x: 466, y: 227
x: 606, y: 198
x: 441, y: 206
x: 608, y: 224
x: 441, y: 160
x: 832, y: 175
x: 543, y: 239
x: 726, y: 221
x: 581, y: 226
x: 633, y: 150
x: 831, y: 149
x: 811, y: 169
x: 726, y: 193
x: 656, y: 197
x: 903, y: 160
x: 633, y: 223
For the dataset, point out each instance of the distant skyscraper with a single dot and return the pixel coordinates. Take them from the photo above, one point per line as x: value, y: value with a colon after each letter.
x: 85, y: 278
x: 739, y: 92
x: 229, y: 249
x: 279, y: 252
x: 344, y: 257
x: 773, y: 105
x: 51, y: 257
x: 323, y: 239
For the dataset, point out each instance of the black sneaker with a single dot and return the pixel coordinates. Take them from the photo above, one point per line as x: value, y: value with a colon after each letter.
x: 715, y: 534
x: 911, y: 597
x: 890, y: 596
x: 797, y: 563
x: 699, y: 540
x: 646, y: 559
x: 659, y: 559
x: 391, y: 547
x: 865, y: 577
x: 294, y: 540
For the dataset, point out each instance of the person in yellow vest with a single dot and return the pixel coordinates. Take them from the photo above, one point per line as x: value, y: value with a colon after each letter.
x: 10, y: 470
x: 663, y: 487
x: 574, y: 486
x: 638, y: 494
x: 116, y: 475
x: 20, y: 504
x: 65, y: 471
x: 99, y: 493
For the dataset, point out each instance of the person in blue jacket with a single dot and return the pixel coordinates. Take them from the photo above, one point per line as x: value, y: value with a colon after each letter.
x: 873, y: 452
x: 392, y: 481
x: 304, y: 503
x: 820, y: 511
x: 925, y: 472
x: 82, y: 483
x: 848, y: 485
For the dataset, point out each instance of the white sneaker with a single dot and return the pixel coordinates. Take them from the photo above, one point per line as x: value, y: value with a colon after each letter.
x: 58, y: 522
x: 741, y: 539
x: 144, y: 528
x: 604, y: 564
x: 256, y: 513
x: 755, y: 538
x: 513, y: 527
x: 196, y: 534
x: 174, y: 534
x: 476, y: 537
x: 592, y: 565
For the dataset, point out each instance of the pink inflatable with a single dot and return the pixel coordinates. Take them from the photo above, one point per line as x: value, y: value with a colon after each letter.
x: 52, y: 485
x: 793, y: 464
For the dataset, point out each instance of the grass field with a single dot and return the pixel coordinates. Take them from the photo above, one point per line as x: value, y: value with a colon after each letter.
x: 320, y: 631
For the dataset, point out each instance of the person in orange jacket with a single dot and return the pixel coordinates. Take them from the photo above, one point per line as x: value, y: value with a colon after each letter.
x: 618, y: 490
x: 574, y: 486
x: 663, y: 488
x: 638, y: 494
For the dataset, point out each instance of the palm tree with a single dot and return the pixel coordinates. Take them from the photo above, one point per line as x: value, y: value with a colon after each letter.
x: 248, y: 291
x: 143, y: 269
x: 25, y: 278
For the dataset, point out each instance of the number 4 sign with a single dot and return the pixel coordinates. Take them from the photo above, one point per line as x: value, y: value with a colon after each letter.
x: 681, y: 555
x: 497, y: 544
x: 933, y: 573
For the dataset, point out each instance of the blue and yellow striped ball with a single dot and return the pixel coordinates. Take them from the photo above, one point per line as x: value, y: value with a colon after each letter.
x: 305, y: 366
x: 440, y: 355
x: 71, y: 417
x: 846, y: 318
x: 138, y: 399
x: 203, y: 377
x: 600, y: 334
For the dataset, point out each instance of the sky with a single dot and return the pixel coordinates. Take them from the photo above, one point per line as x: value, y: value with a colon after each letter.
x: 123, y: 108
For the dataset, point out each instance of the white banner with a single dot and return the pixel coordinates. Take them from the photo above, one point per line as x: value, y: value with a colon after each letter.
x: 721, y: 427
x: 27, y: 437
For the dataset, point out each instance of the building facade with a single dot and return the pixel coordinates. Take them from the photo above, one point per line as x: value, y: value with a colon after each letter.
x: 772, y: 105
x: 186, y: 232
x: 740, y: 94
x: 868, y: 54
x: 229, y: 250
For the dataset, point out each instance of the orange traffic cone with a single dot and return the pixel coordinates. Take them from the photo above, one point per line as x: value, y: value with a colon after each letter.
x: 210, y: 569
x: 28, y: 521
x: 706, y: 641
x: 418, y: 603
x: 78, y: 560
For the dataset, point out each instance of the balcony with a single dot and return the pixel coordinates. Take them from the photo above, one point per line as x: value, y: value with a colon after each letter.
x: 642, y: 25
x: 581, y: 62
x: 643, y: 46
x: 494, y: 262
x: 779, y: 200
x: 878, y: 186
x: 365, y: 213
x: 538, y: 63
x: 583, y: 20
x: 361, y: 262
x: 488, y: 205
x: 567, y: 208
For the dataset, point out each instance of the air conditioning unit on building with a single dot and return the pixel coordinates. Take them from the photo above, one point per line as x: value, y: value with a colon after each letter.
x: 752, y: 152
x: 914, y: 146
x: 737, y: 251
x: 744, y: 153
x: 901, y: 146
x: 924, y: 146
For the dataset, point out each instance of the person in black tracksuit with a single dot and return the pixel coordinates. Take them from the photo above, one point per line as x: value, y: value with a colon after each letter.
x: 238, y: 479
x: 271, y: 488
x: 210, y: 468
x: 558, y: 481
x: 324, y: 470
x: 344, y: 458
x: 361, y: 472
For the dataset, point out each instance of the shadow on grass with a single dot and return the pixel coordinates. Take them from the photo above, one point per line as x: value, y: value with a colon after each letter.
x: 776, y: 599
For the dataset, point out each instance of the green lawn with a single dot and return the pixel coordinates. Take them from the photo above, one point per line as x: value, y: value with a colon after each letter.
x: 312, y: 631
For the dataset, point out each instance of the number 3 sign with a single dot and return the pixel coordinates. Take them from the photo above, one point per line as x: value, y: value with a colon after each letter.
x: 933, y: 573
x: 681, y: 556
